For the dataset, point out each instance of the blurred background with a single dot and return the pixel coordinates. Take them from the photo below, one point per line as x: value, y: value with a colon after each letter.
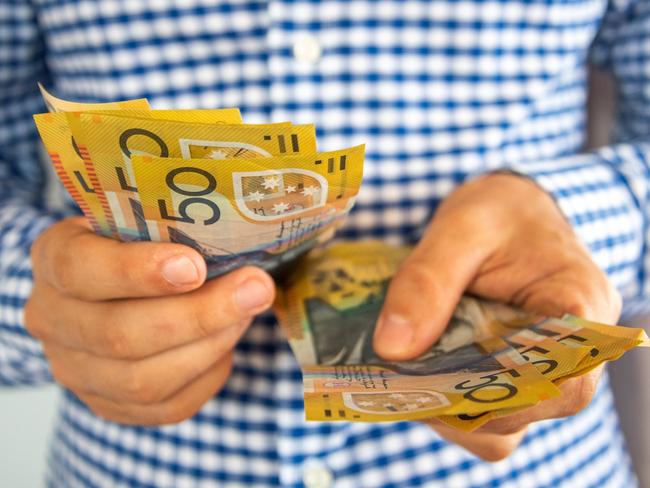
x: 26, y: 415
x: 26, y: 420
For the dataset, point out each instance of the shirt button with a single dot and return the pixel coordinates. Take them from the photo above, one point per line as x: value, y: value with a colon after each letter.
x: 307, y: 49
x: 317, y: 476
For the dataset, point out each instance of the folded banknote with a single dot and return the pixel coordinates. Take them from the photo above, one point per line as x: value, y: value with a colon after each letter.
x: 491, y: 360
x: 240, y: 194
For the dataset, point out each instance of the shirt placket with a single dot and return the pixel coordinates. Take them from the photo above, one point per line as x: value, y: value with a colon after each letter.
x: 295, y: 55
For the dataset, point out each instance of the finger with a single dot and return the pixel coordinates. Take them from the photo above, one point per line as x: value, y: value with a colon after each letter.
x: 581, y: 289
x: 487, y: 446
x: 81, y: 264
x: 145, y: 382
x: 577, y: 394
x: 426, y: 289
x: 137, y: 328
x: 185, y: 404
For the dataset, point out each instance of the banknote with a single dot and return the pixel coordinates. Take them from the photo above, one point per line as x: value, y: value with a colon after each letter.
x: 140, y: 108
x: 560, y: 348
x: 69, y: 167
x: 73, y: 171
x: 217, y: 116
x: 603, y: 343
x: 107, y: 143
x: 476, y: 378
x: 554, y: 359
x: 66, y: 160
x: 263, y: 212
x: 352, y: 275
x: 328, y: 310
x: 566, y: 347
x: 606, y: 342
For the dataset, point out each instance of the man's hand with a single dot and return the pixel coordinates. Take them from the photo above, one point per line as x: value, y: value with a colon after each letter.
x: 500, y: 237
x: 129, y: 328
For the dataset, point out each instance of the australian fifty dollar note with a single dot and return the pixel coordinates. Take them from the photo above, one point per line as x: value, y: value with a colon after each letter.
x: 66, y: 159
x: 262, y: 212
x: 76, y: 172
x: 491, y: 360
x: 107, y: 143
x: 552, y: 345
x: 328, y: 310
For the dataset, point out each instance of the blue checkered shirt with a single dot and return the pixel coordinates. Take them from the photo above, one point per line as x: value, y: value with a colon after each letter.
x: 438, y: 90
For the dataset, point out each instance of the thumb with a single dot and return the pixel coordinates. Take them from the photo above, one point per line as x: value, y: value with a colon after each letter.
x: 424, y: 292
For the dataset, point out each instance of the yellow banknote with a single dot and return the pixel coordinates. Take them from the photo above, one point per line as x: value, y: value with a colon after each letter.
x: 353, y: 278
x: 218, y: 116
x: 248, y: 211
x: 471, y: 379
x: 108, y: 142
x: 77, y: 175
x: 553, y: 359
x: 604, y: 346
x: 66, y: 159
x: 573, y: 335
x: 328, y: 310
x: 70, y: 168
x: 631, y: 333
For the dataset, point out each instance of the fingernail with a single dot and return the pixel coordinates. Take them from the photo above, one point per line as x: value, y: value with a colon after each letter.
x: 180, y: 271
x: 394, y: 334
x: 252, y: 294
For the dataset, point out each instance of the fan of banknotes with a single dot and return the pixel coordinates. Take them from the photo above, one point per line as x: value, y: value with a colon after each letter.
x: 262, y: 195
x: 238, y: 193
x: 491, y: 360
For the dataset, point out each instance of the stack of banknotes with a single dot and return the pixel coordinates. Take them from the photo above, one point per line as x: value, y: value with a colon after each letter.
x: 262, y: 195
x: 492, y: 359
x: 240, y: 194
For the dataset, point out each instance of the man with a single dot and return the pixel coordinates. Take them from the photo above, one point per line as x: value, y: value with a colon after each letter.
x: 440, y: 92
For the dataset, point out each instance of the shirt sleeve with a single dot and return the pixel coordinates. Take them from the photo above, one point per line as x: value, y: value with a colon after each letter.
x: 606, y: 193
x: 605, y: 197
x: 23, y: 212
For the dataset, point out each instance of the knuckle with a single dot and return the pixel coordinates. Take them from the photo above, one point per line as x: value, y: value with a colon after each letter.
x: 206, y: 326
x: 60, y: 374
x: 478, y: 216
x: 63, y: 273
x: 213, y: 313
x: 141, y: 266
x: 575, y: 304
x: 419, y: 275
x: 175, y: 412
x: 114, y: 341
x: 101, y: 411
x: 33, y: 320
x: 223, y: 343
x: 139, y: 388
x: 168, y: 325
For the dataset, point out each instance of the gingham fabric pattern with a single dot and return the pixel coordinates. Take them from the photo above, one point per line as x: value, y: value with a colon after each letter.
x: 439, y: 91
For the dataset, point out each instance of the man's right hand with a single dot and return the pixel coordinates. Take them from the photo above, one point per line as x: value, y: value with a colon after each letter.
x: 132, y: 328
